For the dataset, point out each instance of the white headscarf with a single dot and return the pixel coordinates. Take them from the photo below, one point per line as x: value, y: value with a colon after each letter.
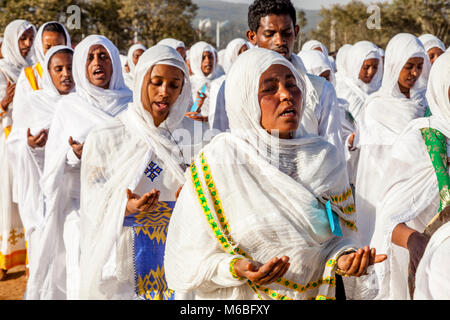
x: 196, y: 58
x: 37, y: 45
x: 232, y: 52
x: 430, y: 41
x: 13, y: 62
x: 107, y: 100
x: 388, y: 107
x: 341, y: 60
x: 316, y: 63
x: 36, y: 114
x: 284, y: 216
x: 173, y: 43
x: 313, y: 45
x: 437, y: 90
x: 131, y: 51
x: 132, y: 138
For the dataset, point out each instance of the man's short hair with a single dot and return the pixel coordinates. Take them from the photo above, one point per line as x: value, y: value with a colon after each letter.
x: 262, y: 8
x: 55, y: 27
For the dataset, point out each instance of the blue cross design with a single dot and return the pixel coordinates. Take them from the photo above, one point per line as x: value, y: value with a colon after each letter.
x: 152, y: 171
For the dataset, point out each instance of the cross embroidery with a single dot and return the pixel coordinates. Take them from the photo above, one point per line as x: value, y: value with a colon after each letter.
x: 152, y: 171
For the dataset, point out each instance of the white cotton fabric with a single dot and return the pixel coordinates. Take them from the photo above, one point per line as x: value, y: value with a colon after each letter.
x: 410, y: 193
x: 75, y: 116
x: 314, y: 45
x: 173, y: 43
x: 114, y: 159
x: 385, y: 115
x: 341, y: 61
x: 232, y: 52
x: 37, y: 45
x: 282, y: 213
x: 432, y: 277
x: 36, y: 112
x: 430, y: 41
x: 316, y: 63
x: 129, y: 78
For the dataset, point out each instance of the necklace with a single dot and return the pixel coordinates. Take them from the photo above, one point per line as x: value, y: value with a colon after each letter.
x: 183, y: 165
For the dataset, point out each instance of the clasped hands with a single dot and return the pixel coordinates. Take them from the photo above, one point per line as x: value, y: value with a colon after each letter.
x: 353, y: 264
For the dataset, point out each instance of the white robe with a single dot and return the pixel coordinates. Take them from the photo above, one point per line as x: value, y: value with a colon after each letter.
x: 384, y: 117
x: 76, y: 114
x: 115, y: 158
x: 277, y: 221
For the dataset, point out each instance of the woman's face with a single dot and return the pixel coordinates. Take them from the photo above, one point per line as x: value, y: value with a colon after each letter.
x: 280, y: 101
x: 99, y: 66
x: 51, y: 39
x: 136, y: 55
x: 26, y: 42
x: 410, y: 72
x: 182, y: 52
x: 242, y: 49
x: 207, y: 63
x: 161, y: 88
x: 326, y: 75
x: 60, y: 68
x: 368, y: 70
x: 434, y: 53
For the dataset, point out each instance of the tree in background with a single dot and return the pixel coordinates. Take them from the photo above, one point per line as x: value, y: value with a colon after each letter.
x: 352, y: 21
x: 122, y: 21
x: 301, y: 22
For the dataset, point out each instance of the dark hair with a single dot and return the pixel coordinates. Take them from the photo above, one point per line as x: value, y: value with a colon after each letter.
x: 262, y: 8
x: 67, y: 51
x: 55, y: 27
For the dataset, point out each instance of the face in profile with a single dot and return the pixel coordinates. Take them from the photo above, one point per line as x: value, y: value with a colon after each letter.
x: 326, y: 75
x: 434, y: 53
x: 207, y: 63
x: 60, y: 69
x: 368, y: 70
x: 161, y: 88
x: 276, y: 33
x: 99, y: 66
x: 182, y: 52
x: 26, y: 42
x: 51, y: 39
x: 280, y: 101
x: 136, y: 55
x: 410, y: 73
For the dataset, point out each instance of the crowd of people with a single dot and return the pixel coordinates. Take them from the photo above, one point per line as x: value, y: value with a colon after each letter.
x: 252, y: 172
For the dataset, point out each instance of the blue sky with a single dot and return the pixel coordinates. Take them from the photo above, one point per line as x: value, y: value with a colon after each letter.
x: 311, y: 4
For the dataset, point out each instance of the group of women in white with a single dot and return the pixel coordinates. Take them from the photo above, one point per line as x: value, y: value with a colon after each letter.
x: 187, y: 173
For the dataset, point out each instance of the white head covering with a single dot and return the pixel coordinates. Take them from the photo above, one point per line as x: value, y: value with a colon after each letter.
x: 438, y: 85
x: 131, y: 51
x: 341, y: 60
x: 232, y: 52
x: 430, y: 41
x: 399, y: 50
x: 196, y: 58
x: 132, y: 139
x: 13, y: 62
x: 104, y: 99
x: 316, y: 63
x: 388, y: 111
x: 313, y: 45
x: 357, y: 54
x: 173, y: 43
x: 38, y: 47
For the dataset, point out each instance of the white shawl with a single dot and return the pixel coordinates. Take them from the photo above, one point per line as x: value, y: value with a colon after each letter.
x: 36, y: 113
x: 317, y: 63
x: 37, y: 44
x: 129, y: 76
x: 350, y: 87
x: 232, y: 52
x: 411, y: 191
x: 314, y: 45
x: 282, y: 214
x: 114, y: 159
x: 430, y: 41
x: 173, y: 43
x: 76, y: 114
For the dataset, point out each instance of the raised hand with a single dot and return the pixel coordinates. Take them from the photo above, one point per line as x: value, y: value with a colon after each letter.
x: 137, y: 204
x: 356, y: 263
x: 39, y: 140
x: 262, y: 274
x: 9, y: 96
x: 77, y: 147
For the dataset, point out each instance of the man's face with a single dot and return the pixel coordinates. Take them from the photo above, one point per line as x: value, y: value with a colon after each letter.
x: 275, y: 32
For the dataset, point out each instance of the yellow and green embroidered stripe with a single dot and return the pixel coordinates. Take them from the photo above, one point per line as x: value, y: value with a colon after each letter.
x: 217, y: 203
